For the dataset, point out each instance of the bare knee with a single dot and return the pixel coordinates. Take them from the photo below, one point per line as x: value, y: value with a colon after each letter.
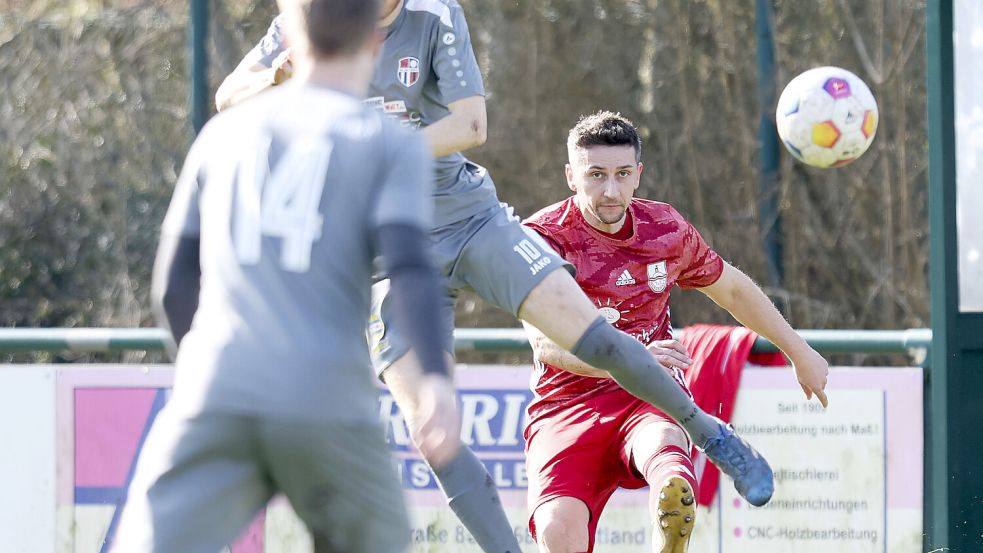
x: 653, y: 438
x: 401, y: 377
x: 561, y: 526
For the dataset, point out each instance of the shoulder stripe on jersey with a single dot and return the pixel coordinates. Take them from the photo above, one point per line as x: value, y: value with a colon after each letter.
x: 435, y: 7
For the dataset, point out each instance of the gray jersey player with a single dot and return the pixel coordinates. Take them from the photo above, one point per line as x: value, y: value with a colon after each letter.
x: 480, y: 246
x: 264, y: 274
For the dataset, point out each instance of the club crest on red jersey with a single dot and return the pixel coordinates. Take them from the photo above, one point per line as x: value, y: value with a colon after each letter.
x: 658, y: 276
x: 409, y: 71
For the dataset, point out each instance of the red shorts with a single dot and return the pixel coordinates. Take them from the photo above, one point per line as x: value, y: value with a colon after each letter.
x: 584, y: 451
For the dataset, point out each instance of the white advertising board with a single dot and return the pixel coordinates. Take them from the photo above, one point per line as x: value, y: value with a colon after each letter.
x: 27, y: 459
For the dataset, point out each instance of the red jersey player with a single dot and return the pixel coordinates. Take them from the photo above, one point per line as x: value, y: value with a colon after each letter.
x: 586, y: 435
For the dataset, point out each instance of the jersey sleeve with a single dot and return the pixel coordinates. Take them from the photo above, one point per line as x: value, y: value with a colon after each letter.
x: 272, y: 45
x: 547, y: 237
x: 183, y: 216
x: 454, y: 63
x: 699, y: 265
x: 405, y: 191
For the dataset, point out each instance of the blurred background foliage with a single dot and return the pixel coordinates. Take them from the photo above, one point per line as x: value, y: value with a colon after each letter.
x: 93, y: 99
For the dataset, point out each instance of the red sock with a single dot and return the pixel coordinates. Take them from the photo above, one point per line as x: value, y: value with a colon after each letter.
x: 668, y: 461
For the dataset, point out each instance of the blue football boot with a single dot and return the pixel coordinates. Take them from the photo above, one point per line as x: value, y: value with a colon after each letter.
x: 753, y: 478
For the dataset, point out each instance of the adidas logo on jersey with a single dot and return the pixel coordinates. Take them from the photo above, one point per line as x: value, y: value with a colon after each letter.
x: 625, y: 279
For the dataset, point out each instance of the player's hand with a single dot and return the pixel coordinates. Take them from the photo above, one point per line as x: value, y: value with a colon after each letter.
x: 812, y: 371
x: 283, y: 67
x: 670, y: 353
x: 437, y: 428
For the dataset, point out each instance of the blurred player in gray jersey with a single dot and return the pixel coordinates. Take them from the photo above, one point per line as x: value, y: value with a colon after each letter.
x: 427, y: 77
x: 263, y: 276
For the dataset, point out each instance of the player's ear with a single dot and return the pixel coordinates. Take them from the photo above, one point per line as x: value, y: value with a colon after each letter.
x: 638, y: 174
x: 568, y: 169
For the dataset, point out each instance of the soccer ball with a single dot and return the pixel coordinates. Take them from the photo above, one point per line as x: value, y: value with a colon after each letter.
x: 826, y: 117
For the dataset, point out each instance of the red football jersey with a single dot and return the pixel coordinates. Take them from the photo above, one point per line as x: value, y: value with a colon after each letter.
x: 628, y: 279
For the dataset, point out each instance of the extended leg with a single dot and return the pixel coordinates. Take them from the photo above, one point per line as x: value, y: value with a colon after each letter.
x: 561, y: 311
x: 470, y: 490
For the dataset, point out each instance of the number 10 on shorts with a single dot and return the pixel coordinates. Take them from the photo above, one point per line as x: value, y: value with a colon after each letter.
x: 531, y: 254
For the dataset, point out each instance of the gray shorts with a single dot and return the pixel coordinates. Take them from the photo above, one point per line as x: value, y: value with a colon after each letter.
x: 491, y: 254
x: 200, y: 481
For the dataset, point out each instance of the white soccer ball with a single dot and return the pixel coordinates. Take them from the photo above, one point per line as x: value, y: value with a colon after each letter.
x: 826, y: 117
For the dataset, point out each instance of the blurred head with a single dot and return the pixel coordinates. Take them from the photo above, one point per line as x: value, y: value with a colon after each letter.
x: 604, y: 167
x: 324, y: 29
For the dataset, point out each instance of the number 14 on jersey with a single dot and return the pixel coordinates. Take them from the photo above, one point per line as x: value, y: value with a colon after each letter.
x: 282, y: 203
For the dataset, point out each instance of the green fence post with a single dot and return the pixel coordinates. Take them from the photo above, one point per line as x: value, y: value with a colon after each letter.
x: 199, y: 97
x: 769, y: 216
x: 954, y: 444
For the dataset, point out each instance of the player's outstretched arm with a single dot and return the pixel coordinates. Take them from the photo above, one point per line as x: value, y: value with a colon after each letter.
x: 176, y: 283
x: 465, y: 127
x: 252, y: 77
x: 738, y: 294
x: 268, y: 64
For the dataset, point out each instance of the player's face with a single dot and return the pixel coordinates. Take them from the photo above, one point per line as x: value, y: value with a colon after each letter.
x: 604, y: 180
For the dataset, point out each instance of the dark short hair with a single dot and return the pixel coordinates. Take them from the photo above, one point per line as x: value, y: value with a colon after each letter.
x: 604, y: 128
x: 337, y: 27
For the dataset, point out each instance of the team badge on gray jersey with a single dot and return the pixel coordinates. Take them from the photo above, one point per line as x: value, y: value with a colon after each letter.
x: 658, y: 276
x: 408, y: 72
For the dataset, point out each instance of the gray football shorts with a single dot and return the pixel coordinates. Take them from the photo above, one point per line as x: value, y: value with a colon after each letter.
x: 491, y: 253
x: 201, y: 480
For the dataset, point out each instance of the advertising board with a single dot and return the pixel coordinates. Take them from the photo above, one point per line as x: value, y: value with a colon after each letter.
x: 849, y: 478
